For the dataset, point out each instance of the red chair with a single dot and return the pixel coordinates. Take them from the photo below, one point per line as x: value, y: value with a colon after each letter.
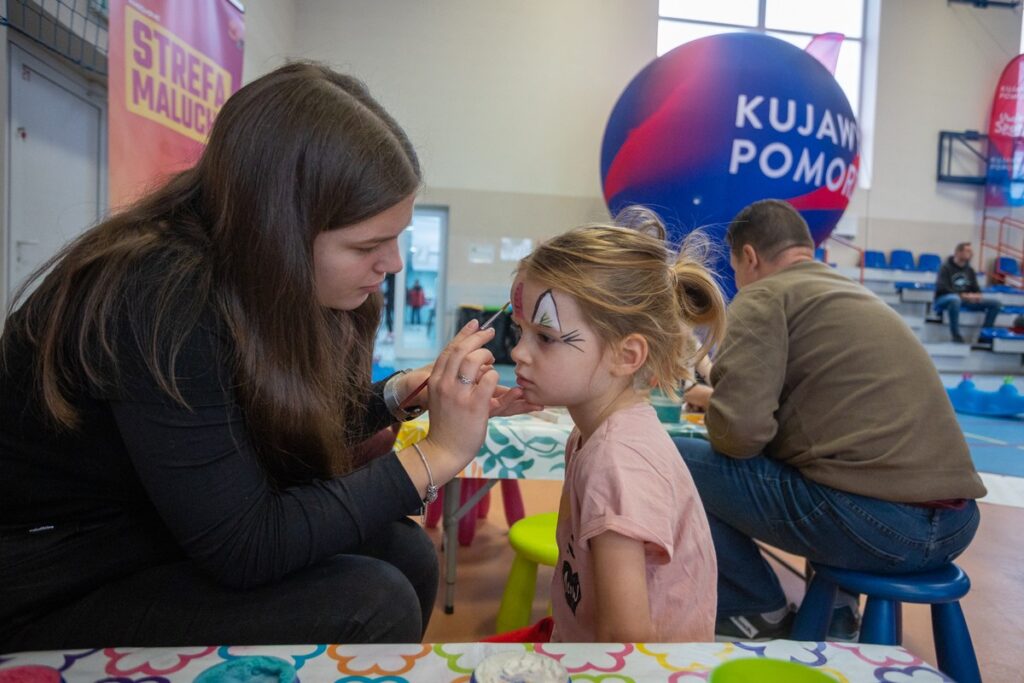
x: 510, y: 495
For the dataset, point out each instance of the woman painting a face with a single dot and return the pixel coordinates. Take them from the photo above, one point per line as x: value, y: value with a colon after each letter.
x: 351, y: 264
x: 184, y: 391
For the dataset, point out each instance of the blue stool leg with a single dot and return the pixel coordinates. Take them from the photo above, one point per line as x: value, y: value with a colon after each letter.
x: 879, y: 625
x: 812, y: 620
x: 953, y: 646
x: 899, y: 623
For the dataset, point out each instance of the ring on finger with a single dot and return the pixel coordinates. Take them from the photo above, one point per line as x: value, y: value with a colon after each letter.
x: 464, y: 379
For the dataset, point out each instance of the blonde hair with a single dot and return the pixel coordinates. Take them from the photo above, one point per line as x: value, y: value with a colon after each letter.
x: 628, y: 280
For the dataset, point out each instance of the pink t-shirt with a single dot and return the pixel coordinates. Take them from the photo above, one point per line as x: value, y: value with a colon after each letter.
x: 630, y: 478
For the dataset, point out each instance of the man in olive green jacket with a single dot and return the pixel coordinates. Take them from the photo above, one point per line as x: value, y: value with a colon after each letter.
x: 831, y: 435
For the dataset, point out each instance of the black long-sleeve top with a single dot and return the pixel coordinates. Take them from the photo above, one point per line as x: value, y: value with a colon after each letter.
x: 145, y: 481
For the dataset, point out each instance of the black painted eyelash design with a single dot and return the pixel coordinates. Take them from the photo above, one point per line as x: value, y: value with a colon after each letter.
x: 572, y: 338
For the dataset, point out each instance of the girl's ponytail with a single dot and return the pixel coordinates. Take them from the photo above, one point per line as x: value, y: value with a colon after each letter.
x: 699, y: 302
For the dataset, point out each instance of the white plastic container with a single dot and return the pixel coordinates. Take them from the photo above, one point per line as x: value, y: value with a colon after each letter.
x: 519, y: 667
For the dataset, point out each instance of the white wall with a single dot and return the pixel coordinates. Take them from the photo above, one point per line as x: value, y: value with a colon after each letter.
x: 938, y: 67
x: 501, y: 96
x: 506, y: 103
x: 269, y: 35
x: 512, y: 98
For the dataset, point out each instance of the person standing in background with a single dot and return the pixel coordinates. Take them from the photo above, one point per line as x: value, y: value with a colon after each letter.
x: 389, y: 305
x: 416, y: 299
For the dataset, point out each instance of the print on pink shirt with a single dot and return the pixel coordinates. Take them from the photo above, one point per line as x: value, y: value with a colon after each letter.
x: 571, y: 581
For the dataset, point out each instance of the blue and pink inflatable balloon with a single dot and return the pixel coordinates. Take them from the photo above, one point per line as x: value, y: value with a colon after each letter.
x: 723, y: 121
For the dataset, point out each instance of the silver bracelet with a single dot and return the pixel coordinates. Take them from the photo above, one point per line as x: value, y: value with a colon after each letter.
x: 431, y: 487
x: 394, y: 405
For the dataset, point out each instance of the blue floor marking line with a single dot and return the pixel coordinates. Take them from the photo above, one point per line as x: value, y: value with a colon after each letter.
x: 986, y: 439
x: 998, y: 460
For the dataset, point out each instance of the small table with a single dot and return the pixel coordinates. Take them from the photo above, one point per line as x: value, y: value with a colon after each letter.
x: 452, y: 662
x: 517, y: 447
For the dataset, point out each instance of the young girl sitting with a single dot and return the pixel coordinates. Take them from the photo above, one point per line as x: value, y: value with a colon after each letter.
x: 605, y: 314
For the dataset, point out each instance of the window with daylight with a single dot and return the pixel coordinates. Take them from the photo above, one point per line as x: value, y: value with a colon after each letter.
x: 795, y: 21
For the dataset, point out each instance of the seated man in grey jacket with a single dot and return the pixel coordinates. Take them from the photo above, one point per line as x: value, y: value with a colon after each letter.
x: 956, y: 285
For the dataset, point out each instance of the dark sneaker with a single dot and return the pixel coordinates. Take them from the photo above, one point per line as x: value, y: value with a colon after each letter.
x: 752, y: 627
x: 845, y: 624
x: 957, y: 339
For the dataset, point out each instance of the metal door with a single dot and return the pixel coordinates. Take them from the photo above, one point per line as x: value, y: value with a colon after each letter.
x: 57, y: 163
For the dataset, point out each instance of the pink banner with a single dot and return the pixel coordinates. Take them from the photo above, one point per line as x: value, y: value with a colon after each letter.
x: 172, y: 65
x: 1005, y: 183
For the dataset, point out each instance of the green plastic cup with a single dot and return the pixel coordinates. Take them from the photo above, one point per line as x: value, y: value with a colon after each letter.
x: 763, y: 670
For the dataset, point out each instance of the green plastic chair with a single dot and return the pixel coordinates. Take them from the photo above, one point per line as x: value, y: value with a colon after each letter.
x: 533, y: 539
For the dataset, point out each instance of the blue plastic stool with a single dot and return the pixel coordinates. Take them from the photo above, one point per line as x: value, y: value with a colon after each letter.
x: 941, y: 588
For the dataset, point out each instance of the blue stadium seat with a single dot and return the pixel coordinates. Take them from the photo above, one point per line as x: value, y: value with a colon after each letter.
x: 874, y: 259
x: 900, y: 286
x: 820, y: 254
x: 901, y: 259
x: 929, y: 263
x: 1008, y: 265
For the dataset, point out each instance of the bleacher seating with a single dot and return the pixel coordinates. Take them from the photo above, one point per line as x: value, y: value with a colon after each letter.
x: 997, y: 350
x: 929, y: 262
x: 901, y: 259
x: 911, y: 292
x: 820, y: 254
x: 875, y: 259
x: 900, y: 286
x: 1008, y: 266
x: 1003, y: 340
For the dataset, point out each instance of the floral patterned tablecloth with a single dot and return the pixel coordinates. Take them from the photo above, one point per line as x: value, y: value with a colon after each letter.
x: 451, y: 662
x: 523, y: 446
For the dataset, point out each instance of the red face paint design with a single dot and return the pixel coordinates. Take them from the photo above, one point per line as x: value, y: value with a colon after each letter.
x: 517, y: 300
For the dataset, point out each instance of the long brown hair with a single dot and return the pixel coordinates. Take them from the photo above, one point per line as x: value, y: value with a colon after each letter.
x: 301, y: 150
x: 626, y: 279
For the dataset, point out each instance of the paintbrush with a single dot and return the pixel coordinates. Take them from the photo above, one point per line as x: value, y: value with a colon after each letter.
x: 490, y: 321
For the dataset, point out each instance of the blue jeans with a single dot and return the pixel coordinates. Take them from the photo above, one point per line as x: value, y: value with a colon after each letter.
x: 768, y: 500
x: 951, y: 303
